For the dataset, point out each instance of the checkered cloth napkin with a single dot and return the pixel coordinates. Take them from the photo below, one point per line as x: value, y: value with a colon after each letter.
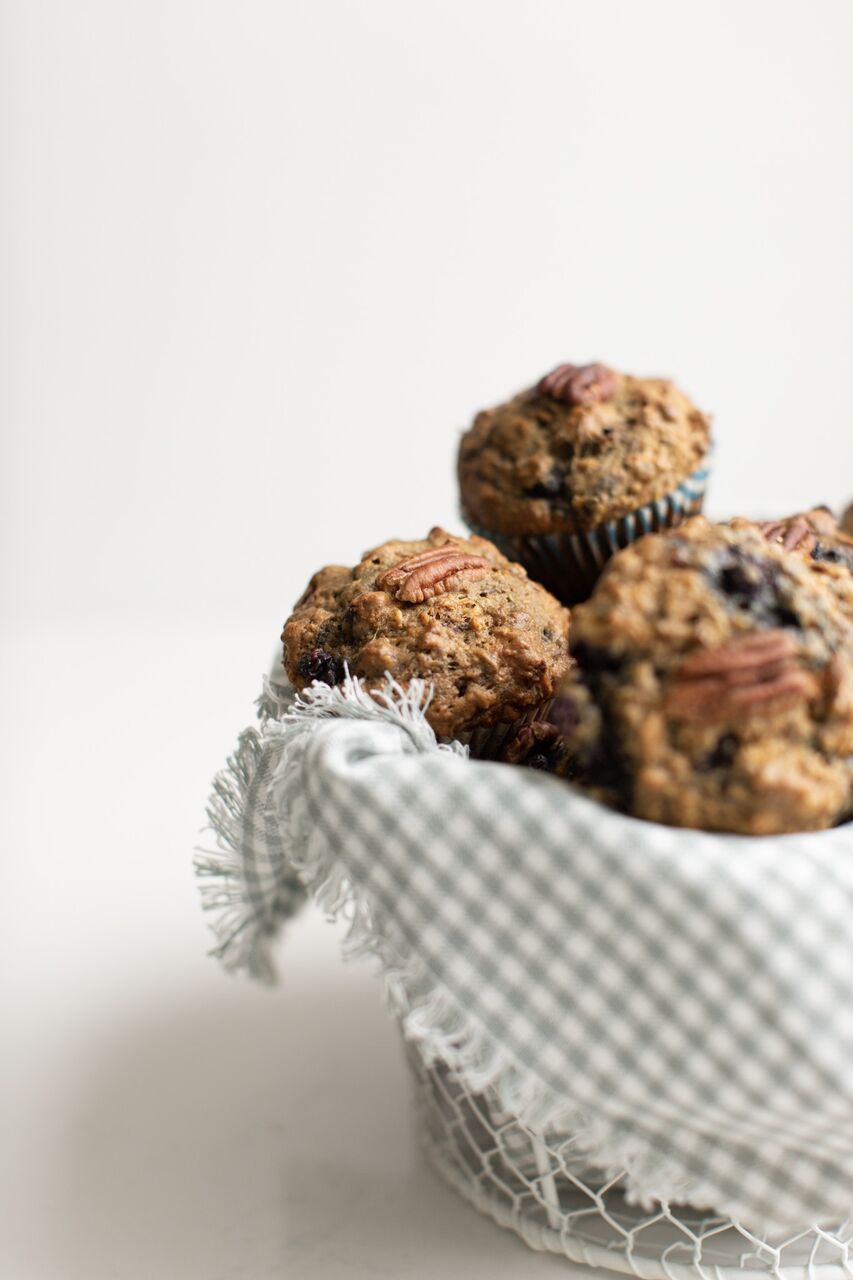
x: 681, y: 1001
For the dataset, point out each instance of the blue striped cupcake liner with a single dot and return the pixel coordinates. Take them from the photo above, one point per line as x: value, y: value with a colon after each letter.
x: 570, y: 564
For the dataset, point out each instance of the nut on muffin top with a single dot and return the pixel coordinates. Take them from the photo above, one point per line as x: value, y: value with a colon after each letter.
x: 452, y: 611
x: 816, y: 533
x: 713, y: 685
x: 584, y: 446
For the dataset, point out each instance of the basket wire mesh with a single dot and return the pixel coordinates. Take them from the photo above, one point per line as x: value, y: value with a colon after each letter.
x: 540, y: 1186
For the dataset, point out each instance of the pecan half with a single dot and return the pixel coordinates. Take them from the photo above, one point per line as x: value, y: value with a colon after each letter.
x: 430, y: 573
x: 755, y: 672
x: 795, y: 534
x: 583, y: 384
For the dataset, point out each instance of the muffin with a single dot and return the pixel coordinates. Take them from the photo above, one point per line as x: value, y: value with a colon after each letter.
x: 451, y: 611
x: 563, y: 475
x: 713, y: 685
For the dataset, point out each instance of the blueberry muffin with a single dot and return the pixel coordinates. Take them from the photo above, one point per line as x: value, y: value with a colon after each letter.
x: 567, y: 472
x: 713, y: 685
x: 451, y: 611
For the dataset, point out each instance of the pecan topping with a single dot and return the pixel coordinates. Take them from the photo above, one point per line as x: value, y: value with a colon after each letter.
x: 582, y: 384
x: 795, y: 534
x: 430, y: 573
x: 754, y: 672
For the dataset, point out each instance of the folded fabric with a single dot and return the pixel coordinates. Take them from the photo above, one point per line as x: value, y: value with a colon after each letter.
x: 680, y: 1001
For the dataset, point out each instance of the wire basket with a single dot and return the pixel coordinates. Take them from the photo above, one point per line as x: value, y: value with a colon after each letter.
x: 541, y: 1187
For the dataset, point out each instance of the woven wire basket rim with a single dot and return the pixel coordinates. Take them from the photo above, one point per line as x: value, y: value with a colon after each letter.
x: 668, y: 1242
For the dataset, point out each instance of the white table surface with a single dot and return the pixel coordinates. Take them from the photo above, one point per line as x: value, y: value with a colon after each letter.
x: 163, y: 1120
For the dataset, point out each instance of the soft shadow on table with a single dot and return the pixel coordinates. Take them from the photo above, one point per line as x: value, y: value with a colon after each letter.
x: 256, y: 1135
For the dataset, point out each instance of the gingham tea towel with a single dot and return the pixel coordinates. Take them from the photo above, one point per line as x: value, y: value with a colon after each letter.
x: 682, y: 1001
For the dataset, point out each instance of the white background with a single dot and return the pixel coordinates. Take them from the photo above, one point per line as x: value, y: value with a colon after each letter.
x: 260, y: 264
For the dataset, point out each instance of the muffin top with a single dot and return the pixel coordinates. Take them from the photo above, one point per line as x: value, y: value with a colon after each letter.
x: 713, y: 685
x: 815, y: 534
x: 452, y: 611
x: 584, y: 446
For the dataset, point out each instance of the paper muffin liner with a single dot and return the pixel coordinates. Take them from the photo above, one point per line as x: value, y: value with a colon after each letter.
x: 570, y: 564
x: 486, y: 744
